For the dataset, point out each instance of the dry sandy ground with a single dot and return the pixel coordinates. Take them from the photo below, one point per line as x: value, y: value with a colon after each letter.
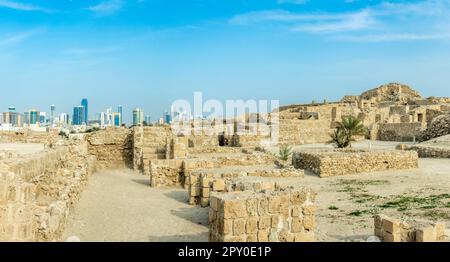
x: 120, y: 205
x: 22, y: 148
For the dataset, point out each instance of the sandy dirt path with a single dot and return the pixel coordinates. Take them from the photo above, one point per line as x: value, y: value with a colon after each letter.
x: 120, y: 205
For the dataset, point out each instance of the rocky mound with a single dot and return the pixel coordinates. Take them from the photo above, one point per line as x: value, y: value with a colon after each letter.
x: 392, y: 92
x: 440, y: 126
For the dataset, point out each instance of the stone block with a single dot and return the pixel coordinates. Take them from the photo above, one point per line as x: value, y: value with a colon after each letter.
x: 274, y: 204
x: 309, y: 222
x: 297, y: 211
x: 235, y: 209
x: 252, y: 207
x: 265, y: 222
x: 239, y: 226
x: 263, y: 207
x: 252, y: 225
x: 252, y: 238
x: 263, y: 236
x: 219, y: 185
x: 391, y: 225
x: 304, y: 237
x: 296, y: 225
x: 427, y: 234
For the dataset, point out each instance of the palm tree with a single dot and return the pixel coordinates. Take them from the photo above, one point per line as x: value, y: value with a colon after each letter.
x: 346, y: 130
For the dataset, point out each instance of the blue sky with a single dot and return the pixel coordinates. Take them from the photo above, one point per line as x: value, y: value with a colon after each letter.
x: 148, y: 53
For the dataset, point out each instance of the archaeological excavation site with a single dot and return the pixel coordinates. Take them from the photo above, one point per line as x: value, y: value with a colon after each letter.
x: 373, y: 167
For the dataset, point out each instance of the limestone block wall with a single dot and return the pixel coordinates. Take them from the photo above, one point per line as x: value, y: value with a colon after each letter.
x: 398, y: 131
x: 166, y: 172
x: 42, y: 188
x: 431, y: 151
x: 344, y: 162
x: 304, y: 131
x: 394, y: 230
x: 200, y: 185
x: 16, y: 209
x: 113, y: 147
x: 282, y: 215
x: 236, y: 159
x: 149, y: 143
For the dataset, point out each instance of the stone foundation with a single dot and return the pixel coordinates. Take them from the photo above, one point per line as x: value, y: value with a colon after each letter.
x: 344, y: 162
x: 202, y: 183
x: 394, y: 230
x: 282, y: 215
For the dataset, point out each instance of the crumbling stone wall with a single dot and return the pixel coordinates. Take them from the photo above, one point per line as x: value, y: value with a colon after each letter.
x: 166, y: 172
x: 149, y: 143
x: 282, y: 215
x: 113, y: 147
x: 201, y: 184
x: 394, y: 230
x: 344, y: 162
x: 440, y: 126
x: 401, y: 132
x: 16, y: 209
x: 38, y: 191
x: 300, y: 132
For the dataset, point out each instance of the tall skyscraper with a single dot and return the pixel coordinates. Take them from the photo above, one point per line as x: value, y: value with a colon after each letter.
x: 117, y: 119
x: 78, y: 115
x: 148, y: 119
x: 138, y: 116
x: 34, y: 116
x: 84, y: 103
x: 64, y: 119
x: 120, y: 111
x: 52, y: 114
x: 167, y: 118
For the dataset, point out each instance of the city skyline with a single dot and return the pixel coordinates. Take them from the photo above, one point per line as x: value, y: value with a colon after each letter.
x: 147, y: 54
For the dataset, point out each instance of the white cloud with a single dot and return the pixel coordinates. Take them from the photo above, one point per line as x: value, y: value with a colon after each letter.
x: 18, y: 38
x: 23, y: 7
x: 348, y: 22
x: 108, y: 7
x: 388, y: 21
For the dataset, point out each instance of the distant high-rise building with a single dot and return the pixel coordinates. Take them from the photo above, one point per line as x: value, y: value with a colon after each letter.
x: 120, y: 111
x: 78, y: 115
x: 117, y: 119
x: 42, y: 117
x: 138, y: 116
x: 84, y: 103
x: 148, y: 119
x: 167, y: 118
x: 34, y: 117
x: 26, y: 118
x: 52, y: 113
x: 64, y: 119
